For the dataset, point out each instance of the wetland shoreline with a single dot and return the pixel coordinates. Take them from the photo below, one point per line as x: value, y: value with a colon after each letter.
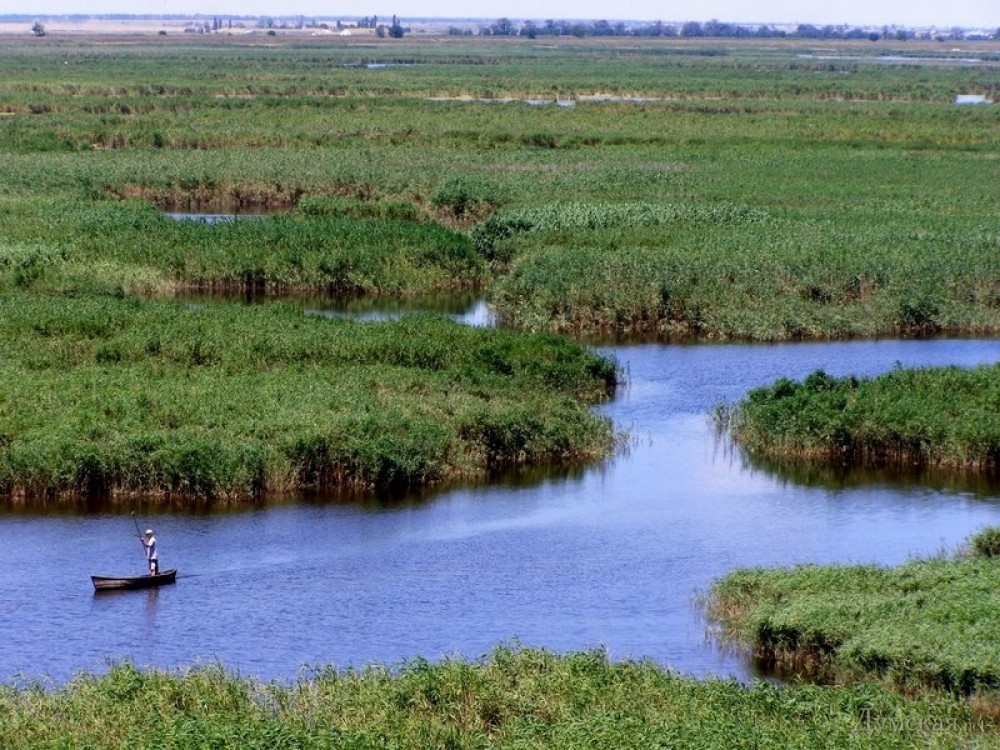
x: 924, y: 625
x: 747, y: 194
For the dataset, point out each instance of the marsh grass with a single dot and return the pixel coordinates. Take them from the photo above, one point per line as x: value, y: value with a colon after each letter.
x: 986, y: 543
x: 744, y: 192
x: 337, y: 247
x: 747, y: 192
x: 121, y: 397
x: 924, y: 624
x: 514, y: 697
x: 737, y: 272
x: 932, y: 417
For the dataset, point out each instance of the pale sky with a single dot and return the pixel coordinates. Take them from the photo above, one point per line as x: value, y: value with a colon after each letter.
x: 941, y: 13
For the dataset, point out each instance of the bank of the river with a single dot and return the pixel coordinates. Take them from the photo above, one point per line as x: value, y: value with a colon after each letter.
x: 937, y: 417
x: 200, y: 404
x: 515, y: 698
x: 927, y: 623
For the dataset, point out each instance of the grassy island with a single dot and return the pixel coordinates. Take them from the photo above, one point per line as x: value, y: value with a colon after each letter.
x: 933, y: 417
x: 515, y: 698
x: 928, y: 623
x: 333, y: 247
x: 123, y: 396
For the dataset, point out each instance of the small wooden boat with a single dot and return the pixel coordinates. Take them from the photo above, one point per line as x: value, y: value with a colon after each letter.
x: 113, y: 583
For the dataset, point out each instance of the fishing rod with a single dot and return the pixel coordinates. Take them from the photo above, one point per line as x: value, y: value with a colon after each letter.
x: 137, y: 532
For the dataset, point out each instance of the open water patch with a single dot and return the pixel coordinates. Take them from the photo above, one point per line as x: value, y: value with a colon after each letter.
x: 895, y: 59
x: 462, y: 309
x: 468, y: 308
x: 211, y: 218
x: 380, y: 65
x: 557, y: 101
x: 967, y: 99
x: 220, y: 213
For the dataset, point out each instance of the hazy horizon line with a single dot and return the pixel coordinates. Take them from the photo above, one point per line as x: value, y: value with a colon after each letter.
x: 26, y: 16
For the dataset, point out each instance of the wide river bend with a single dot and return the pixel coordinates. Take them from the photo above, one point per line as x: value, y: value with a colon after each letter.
x: 615, y: 555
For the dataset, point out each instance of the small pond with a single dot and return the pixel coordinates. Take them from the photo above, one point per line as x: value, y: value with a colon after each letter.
x: 209, y: 217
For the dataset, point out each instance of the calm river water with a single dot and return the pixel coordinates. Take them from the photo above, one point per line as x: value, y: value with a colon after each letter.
x: 614, y: 555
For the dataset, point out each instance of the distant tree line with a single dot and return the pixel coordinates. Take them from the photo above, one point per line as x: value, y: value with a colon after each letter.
x: 506, y: 27
x: 217, y: 24
x: 713, y: 28
x: 395, y: 30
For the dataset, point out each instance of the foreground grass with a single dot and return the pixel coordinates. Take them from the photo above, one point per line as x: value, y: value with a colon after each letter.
x: 928, y: 623
x: 106, y: 395
x: 934, y: 417
x: 515, y: 698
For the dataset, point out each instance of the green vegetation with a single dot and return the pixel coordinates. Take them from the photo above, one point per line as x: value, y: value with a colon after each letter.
x: 713, y: 189
x: 928, y: 623
x: 724, y: 189
x: 935, y: 417
x: 749, y: 278
x: 215, y: 402
x: 720, y: 189
x: 515, y: 698
x: 986, y: 543
x: 321, y: 247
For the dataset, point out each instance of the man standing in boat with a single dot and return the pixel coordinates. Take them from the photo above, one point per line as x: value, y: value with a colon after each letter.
x: 150, y: 544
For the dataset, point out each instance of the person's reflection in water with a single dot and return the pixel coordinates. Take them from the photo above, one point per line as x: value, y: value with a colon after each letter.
x: 152, y: 595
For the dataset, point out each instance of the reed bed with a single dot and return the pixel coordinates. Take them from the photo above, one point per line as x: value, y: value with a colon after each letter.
x: 783, y: 257
x: 925, y: 624
x: 207, y: 404
x: 513, y: 698
x: 933, y: 417
x: 723, y: 189
x: 309, y: 250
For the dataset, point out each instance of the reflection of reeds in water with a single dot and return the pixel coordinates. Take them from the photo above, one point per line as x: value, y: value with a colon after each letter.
x: 821, y: 473
x: 466, y: 306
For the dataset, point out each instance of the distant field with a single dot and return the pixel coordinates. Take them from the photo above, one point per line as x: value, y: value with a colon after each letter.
x: 680, y: 188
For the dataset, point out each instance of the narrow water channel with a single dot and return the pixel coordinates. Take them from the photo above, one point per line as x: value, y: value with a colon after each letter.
x: 615, y: 555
